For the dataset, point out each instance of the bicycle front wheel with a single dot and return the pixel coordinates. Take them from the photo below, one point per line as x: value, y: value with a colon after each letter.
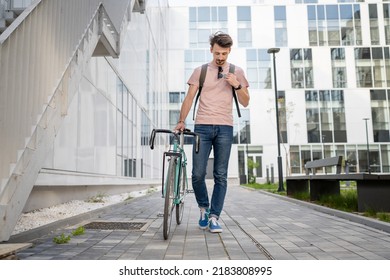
x: 169, y: 195
x: 182, y: 194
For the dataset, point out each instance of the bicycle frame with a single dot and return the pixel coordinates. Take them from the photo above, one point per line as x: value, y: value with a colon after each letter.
x: 177, y: 153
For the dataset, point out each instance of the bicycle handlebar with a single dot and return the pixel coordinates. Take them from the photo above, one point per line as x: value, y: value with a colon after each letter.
x: 176, y: 134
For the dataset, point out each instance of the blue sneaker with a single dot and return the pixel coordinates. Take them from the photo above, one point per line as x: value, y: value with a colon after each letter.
x: 204, y: 218
x: 214, y: 226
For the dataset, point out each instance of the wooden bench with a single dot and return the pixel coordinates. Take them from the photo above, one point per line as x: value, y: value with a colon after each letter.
x: 301, y: 184
x: 325, y: 162
x: 373, y: 190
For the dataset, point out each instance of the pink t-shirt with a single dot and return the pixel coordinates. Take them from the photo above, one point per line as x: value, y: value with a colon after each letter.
x: 216, y: 100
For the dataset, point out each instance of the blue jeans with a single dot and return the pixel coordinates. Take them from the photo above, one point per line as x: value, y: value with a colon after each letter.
x: 219, y: 138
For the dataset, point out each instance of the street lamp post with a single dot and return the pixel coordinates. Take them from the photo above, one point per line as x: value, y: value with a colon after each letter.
x: 273, y: 51
x: 368, y: 147
x: 247, y: 152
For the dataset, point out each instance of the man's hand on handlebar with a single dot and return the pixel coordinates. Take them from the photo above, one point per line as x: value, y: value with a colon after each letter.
x: 180, y: 126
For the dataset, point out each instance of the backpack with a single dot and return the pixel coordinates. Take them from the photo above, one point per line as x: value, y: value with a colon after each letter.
x: 201, y: 81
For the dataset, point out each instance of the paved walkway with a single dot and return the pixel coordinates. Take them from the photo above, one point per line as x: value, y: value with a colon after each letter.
x: 256, y: 225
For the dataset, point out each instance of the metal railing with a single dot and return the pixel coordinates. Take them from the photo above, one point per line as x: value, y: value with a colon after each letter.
x: 18, y: 4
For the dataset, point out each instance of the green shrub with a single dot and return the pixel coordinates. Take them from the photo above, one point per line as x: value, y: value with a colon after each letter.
x: 346, y: 201
x: 384, y: 217
x: 78, y: 231
x: 61, y: 239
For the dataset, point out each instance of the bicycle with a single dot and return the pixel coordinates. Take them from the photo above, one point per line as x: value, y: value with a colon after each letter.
x: 175, y: 184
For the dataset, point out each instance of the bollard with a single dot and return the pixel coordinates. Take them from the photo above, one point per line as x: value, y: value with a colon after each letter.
x: 272, y: 174
x: 267, y: 170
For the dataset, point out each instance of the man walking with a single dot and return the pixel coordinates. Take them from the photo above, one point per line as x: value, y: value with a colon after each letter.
x: 214, y: 124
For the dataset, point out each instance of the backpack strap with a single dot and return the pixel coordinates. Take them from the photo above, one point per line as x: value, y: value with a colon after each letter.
x: 201, y: 81
x: 231, y: 70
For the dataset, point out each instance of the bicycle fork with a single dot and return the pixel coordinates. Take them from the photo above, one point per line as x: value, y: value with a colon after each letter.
x: 172, y: 156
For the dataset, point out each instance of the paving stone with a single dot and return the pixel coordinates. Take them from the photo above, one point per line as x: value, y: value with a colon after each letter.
x: 256, y: 226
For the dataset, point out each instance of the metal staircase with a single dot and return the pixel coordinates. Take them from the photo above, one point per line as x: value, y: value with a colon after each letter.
x: 43, y: 54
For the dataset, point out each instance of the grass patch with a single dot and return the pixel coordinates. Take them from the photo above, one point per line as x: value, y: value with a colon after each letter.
x: 382, y: 216
x: 266, y: 186
x: 305, y: 196
x: 78, y: 231
x: 347, y: 201
x: 62, y: 239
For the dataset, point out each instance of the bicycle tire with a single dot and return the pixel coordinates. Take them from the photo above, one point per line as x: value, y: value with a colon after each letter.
x: 169, y: 195
x: 182, y: 194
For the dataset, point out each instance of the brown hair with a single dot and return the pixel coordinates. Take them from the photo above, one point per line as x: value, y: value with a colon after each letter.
x: 221, y: 39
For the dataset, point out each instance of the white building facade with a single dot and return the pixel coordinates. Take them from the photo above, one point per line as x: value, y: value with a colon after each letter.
x: 332, y: 74
x: 107, y: 87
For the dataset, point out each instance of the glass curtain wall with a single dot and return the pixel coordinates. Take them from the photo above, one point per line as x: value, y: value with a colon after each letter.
x: 334, y: 25
x: 325, y: 116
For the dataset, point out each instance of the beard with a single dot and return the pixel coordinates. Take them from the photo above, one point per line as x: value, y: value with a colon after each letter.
x: 220, y: 62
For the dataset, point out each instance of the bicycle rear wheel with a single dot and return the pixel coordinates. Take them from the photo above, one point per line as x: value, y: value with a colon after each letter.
x: 169, y: 195
x: 182, y: 193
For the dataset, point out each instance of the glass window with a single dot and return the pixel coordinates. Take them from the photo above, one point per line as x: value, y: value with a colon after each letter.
x: 251, y: 55
x: 280, y: 26
x: 204, y: 14
x: 282, y: 116
x: 313, y: 126
x: 242, y: 128
x: 325, y: 119
x: 362, y: 53
x: 337, y: 53
x: 332, y: 12
x: 192, y: 16
x: 339, y: 125
x: 374, y: 24
x: 380, y: 115
x: 346, y: 12
x: 203, y: 37
x: 280, y: 13
x: 244, y: 37
x: 339, y: 68
x: 386, y: 9
x: 204, y: 21
x: 373, y: 12
x: 244, y: 27
x: 258, y: 68
x: 176, y: 97
x: 173, y: 117
x: 334, y: 24
x: 321, y: 12
x: 311, y: 12
x: 243, y: 13
x: 378, y: 94
x: 294, y: 160
x: 301, y: 68
x: 377, y: 53
x: 385, y: 156
x: 222, y: 14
